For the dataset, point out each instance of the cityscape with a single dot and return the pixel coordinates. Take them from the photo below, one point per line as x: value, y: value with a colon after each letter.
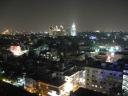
x: 63, y: 59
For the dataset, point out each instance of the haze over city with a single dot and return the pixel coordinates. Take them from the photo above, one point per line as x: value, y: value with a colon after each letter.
x: 38, y: 15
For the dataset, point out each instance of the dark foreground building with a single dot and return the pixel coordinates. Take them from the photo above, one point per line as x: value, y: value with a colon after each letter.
x: 86, y: 92
x: 10, y: 90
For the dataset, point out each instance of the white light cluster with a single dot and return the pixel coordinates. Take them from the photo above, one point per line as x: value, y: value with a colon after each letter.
x: 7, y: 81
x: 110, y: 57
x: 53, y: 93
x: 16, y: 50
x: 68, y: 85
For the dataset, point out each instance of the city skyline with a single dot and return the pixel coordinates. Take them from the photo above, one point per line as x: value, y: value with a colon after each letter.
x: 88, y: 15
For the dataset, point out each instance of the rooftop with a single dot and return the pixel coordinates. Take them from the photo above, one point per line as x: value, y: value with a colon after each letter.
x: 106, y: 66
x: 51, y: 81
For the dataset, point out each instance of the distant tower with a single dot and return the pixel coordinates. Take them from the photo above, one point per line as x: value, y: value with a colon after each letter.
x: 51, y: 28
x: 73, y: 30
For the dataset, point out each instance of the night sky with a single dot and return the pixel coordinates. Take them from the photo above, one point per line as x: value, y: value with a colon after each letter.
x: 37, y: 15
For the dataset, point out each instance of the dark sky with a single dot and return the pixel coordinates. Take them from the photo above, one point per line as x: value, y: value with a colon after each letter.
x: 37, y: 15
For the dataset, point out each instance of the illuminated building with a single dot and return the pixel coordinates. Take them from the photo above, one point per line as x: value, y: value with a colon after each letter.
x: 103, y: 79
x: 57, y: 31
x: 60, y: 31
x: 125, y: 81
x: 73, y: 30
x: 71, y: 83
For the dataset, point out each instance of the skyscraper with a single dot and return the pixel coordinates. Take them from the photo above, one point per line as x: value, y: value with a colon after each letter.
x: 73, y: 30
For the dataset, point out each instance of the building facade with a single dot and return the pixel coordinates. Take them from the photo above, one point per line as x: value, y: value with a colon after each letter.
x: 102, y: 80
x: 125, y: 81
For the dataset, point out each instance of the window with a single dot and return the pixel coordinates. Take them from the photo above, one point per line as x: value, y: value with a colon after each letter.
x: 101, y: 87
x: 110, y: 73
x: 93, y: 85
x: 114, y: 74
x: 87, y: 70
x: 120, y: 75
x: 110, y: 84
x: 93, y: 75
x: 102, y: 82
x: 94, y: 71
x: 95, y: 81
x: 102, y: 72
x: 96, y: 86
x: 114, y: 85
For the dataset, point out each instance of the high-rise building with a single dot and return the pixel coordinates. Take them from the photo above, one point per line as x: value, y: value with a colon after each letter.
x: 103, y: 80
x: 73, y: 30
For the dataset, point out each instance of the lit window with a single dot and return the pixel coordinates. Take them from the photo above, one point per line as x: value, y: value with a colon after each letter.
x: 96, y: 86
